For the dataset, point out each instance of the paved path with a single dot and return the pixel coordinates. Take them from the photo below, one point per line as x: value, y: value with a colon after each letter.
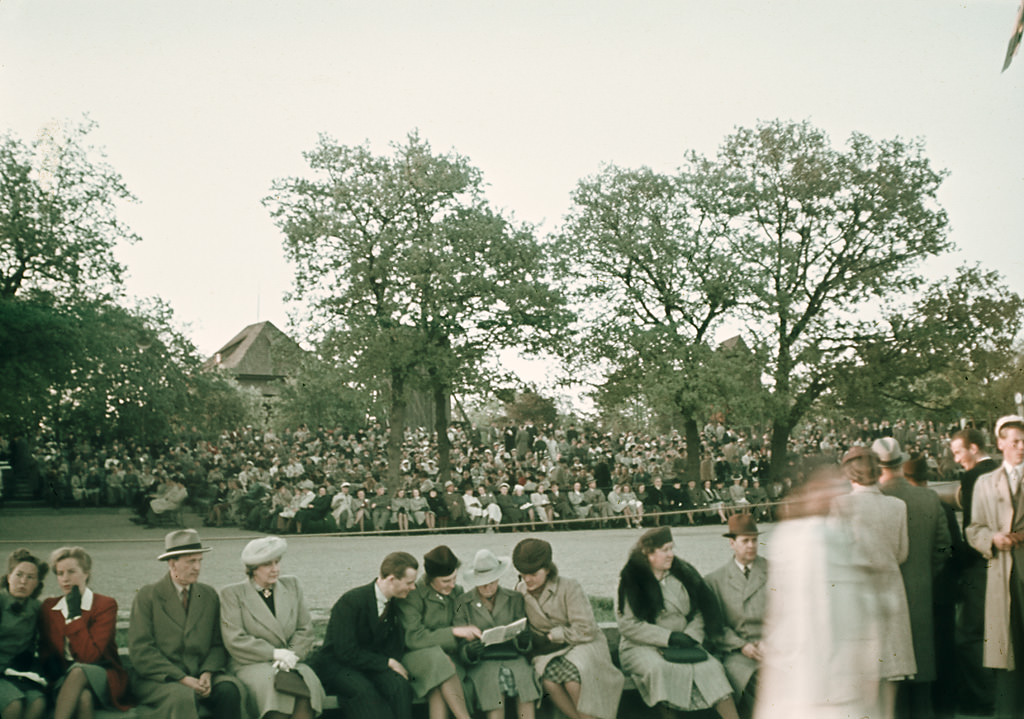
x: 124, y: 555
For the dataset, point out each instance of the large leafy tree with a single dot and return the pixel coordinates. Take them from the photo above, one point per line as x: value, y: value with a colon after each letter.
x: 824, y: 234
x: 58, y: 215
x: 653, y: 275
x: 405, y: 265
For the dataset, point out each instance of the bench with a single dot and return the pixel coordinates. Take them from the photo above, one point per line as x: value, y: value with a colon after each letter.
x: 331, y: 707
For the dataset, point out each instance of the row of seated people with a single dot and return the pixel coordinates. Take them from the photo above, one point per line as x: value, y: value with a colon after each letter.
x: 304, y: 507
x: 249, y: 650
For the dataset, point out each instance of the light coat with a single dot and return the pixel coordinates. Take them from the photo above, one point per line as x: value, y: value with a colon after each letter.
x: 744, y: 601
x: 166, y: 644
x: 878, y: 527
x: 251, y: 634
x: 929, y: 548
x: 563, y: 611
x: 992, y: 512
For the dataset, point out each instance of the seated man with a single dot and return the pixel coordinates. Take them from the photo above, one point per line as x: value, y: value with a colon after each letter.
x: 359, y: 660
x: 178, y: 659
x: 741, y: 587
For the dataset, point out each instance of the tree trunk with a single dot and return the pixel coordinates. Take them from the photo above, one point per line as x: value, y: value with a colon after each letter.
x: 396, y: 433
x: 779, y: 448
x: 693, y: 449
x: 442, y: 411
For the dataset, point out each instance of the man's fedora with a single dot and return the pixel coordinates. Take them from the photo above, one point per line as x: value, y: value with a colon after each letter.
x: 182, y: 541
x: 741, y: 524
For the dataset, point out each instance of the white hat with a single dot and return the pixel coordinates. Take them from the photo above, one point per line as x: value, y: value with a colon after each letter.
x: 263, y: 550
x: 485, y: 568
x: 888, y: 451
x: 1008, y: 419
x: 182, y: 541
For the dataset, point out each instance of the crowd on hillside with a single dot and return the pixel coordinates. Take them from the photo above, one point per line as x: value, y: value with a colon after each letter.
x: 524, y: 476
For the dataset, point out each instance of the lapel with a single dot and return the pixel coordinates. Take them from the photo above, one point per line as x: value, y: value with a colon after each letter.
x: 261, y: 612
x: 170, y: 603
x: 757, y: 579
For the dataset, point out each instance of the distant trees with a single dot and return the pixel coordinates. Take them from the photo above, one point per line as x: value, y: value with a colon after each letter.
x: 76, y: 362
x: 410, y: 273
x: 814, y: 251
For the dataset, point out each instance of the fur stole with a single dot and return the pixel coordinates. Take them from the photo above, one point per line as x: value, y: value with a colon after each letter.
x: 641, y: 590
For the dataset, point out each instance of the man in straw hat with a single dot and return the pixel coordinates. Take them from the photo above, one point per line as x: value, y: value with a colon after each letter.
x: 178, y: 659
x: 741, y: 587
x: 929, y: 548
x: 997, y: 532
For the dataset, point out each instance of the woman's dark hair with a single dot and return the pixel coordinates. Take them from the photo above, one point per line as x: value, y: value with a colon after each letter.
x: 21, y: 555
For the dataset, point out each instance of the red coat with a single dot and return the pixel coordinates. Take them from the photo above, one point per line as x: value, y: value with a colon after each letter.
x: 91, y: 638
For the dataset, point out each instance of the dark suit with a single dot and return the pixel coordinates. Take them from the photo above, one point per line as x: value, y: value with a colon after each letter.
x: 353, y: 661
x: 167, y: 644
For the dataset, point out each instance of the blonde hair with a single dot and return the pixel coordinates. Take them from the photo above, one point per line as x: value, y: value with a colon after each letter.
x: 77, y: 553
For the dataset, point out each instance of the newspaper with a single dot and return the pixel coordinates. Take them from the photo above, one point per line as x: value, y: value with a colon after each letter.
x: 497, y: 635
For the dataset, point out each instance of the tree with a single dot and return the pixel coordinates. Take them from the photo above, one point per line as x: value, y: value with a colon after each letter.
x: 401, y: 259
x: 58, y: 216
x: 654, y: 278
x: 826, y: 235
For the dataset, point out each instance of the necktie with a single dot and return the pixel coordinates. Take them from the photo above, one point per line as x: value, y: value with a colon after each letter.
x: 184, y: 598
x: 746, y: 572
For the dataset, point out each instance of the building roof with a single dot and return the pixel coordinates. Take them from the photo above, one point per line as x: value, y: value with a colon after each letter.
x: 260, y: 350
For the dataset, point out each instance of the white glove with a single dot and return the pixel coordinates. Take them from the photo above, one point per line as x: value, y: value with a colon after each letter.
x: 285, y: 659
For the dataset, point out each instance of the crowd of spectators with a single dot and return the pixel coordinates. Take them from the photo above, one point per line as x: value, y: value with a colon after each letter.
x: 524, y: 476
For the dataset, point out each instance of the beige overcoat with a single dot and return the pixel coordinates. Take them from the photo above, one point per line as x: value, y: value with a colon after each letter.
x: 744, y: 602
x: 563, y: 611
x: 991, y: 512
x: 251, y: 634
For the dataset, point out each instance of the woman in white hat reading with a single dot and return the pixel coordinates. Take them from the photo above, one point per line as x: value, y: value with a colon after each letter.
x: 497, y: 671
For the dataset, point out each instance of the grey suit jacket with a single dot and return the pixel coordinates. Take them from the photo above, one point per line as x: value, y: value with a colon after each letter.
x: 744, y: 601
x: 165, y: 643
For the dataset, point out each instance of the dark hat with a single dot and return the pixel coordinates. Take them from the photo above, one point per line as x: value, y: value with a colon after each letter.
x: 916, y: 468
x: 740, y: 524
x: 530, y: 555
x: 888, y: 451
x: 440, y: 561
x: 182, y: 541
x: 656, y: 537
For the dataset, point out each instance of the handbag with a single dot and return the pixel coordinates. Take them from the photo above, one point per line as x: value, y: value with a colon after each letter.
x: 684, y: 655
x: 291, y: 682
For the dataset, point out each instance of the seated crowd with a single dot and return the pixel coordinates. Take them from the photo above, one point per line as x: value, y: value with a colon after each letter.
x: 528, y: 477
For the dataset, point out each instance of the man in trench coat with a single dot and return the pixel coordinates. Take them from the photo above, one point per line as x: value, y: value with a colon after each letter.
x: 178, y: 659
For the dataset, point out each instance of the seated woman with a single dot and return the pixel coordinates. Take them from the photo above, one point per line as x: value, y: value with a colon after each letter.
x: 420, y: 511
x: 428, y: 617
x: 497, y: 671
x: 267, y: 630
x: 665, y: 611
x: 76, y: 643
x: 571, y: 655
x: 21, y: 695
x: 400, y: 510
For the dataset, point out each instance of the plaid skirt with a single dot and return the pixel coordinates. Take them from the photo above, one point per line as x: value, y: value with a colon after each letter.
x: 560, y: 670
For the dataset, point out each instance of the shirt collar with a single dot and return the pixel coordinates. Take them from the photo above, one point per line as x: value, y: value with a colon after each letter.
x: 62, y: 605
x: 382, y: 601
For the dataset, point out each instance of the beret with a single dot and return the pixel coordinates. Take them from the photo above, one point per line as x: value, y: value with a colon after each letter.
x: 530, y: 555
x: 263, y: 550
x: 440, y: 561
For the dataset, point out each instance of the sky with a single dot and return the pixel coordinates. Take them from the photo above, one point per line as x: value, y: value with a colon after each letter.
x: 201, y: 104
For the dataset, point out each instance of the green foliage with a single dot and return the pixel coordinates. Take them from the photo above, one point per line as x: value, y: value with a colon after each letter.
x: 58, y: 216
x: 533, y: 407
x: 410, y: 272
x: 320, y: 395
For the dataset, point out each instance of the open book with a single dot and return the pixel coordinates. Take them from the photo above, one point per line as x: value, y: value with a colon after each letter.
x: 497, y: 635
